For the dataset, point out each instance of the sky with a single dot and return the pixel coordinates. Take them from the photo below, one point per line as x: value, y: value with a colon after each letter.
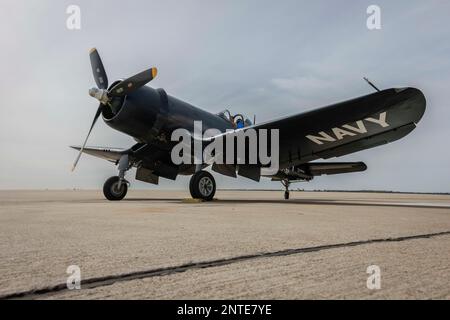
x: 269, y: 58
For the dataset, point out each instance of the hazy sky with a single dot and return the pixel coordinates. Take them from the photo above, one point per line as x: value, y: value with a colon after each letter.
x: 269, y: 58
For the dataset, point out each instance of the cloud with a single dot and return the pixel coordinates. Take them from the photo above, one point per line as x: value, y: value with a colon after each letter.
x: 303, y: 86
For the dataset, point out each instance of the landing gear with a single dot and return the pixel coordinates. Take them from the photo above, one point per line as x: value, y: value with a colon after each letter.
x: 286, y: 184
x: 202, y: 186
x: 114, y: 190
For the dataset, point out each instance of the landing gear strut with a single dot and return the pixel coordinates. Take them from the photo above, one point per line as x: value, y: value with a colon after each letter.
x: 116, y: 188
x: 286, y: 184
x: 202, y: 186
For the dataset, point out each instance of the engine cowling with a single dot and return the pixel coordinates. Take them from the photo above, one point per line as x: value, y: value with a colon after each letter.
x: 136, y: 114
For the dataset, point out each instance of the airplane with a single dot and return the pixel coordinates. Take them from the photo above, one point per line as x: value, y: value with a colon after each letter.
x: 151, y: 115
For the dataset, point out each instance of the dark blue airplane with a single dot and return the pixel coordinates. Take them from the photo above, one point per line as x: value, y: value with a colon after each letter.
x: 151, y: 115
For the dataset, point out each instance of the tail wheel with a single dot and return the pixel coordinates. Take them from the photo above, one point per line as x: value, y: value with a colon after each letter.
x: 112, y: 191
x: 286, y: 184
x: 202, y: 186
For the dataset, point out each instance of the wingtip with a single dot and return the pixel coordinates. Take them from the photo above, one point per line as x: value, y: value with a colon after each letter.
x: 363, y: 166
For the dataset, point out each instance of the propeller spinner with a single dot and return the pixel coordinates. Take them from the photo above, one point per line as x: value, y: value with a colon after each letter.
x: 102, y: 94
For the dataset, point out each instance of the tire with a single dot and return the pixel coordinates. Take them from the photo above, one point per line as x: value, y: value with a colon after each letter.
x: 202, y: 186
x: 286, y: 195
x: 192, y: 191
x: 110, y: 189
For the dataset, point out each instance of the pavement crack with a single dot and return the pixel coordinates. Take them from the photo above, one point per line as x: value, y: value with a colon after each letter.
x: 92, y: 283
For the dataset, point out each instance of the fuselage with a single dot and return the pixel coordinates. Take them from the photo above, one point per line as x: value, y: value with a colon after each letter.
x: 150, y: 114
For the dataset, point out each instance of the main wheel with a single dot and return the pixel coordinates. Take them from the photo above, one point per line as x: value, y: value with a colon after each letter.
x: 202, y: 186
x: 286, y: 195
x: 112, y: 191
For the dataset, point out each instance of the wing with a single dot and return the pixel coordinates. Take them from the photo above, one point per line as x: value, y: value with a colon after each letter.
x: 348, y: 127
x: 110, y: 154
x: 342, y: 128
x: 150, y: 161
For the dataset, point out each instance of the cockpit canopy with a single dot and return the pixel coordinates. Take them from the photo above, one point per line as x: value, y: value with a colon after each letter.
x: 238, y: 120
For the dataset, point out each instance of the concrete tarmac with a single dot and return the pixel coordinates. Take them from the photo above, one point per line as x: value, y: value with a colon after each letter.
x: 246, y: 245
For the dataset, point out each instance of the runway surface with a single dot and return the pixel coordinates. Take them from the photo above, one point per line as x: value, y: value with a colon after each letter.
x: 246, y: 245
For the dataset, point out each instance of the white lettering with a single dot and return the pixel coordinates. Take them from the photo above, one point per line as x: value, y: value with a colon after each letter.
x: 361, y: 127
x: 341, y: 133
x: 323, y: 137
x: 381, y: 120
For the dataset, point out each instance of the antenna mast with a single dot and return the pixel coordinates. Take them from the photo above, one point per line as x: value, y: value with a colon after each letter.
x: 371, y: 84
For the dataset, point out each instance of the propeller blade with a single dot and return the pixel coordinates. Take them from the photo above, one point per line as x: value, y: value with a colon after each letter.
x: 98, y: 69
x: 126, y: 86
x: 99, y: 112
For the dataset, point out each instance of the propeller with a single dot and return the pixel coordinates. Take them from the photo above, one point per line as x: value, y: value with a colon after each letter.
x: 102, y: 94
x: 97, y: 114
x: 98, y: 70
x: 127, y: 86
